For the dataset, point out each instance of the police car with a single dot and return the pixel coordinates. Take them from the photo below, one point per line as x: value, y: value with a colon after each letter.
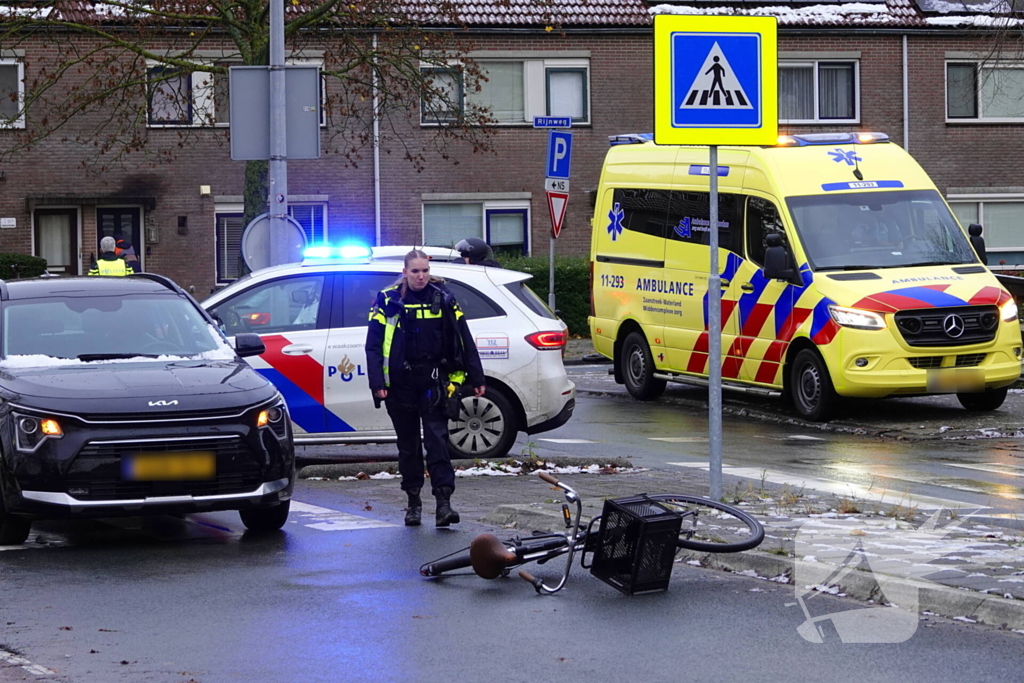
x: 312, y: 318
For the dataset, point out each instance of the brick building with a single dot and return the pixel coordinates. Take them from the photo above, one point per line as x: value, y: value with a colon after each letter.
x: 943, y: 79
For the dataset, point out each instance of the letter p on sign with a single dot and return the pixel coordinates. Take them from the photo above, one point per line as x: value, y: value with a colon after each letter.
x: 559, y: 154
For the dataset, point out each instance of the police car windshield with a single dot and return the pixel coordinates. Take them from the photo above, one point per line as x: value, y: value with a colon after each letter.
x: 109, y: 327
x: 864, y: 230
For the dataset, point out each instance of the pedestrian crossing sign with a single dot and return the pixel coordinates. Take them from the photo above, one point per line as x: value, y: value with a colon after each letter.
x: 715, y: 80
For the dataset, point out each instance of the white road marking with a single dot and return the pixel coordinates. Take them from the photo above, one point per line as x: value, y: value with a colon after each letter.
x: 995, y: 467
x: 568, y: 440
x: 36, y: 669
x: 679, y: 439
x: 803, y: 437
x: 841, y: 488
x: 326, y: 519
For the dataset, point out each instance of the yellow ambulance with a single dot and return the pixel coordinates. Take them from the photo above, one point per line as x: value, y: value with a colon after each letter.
x: 844, y: 274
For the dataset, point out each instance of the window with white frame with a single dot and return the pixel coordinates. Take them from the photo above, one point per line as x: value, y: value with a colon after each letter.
x: 503, y: 224
x: 512, y: 90
x: 230, y: 226
x: 1001, y: 217
x: 819, y: 91
x: 178, y: 97
x: 984, y: 92
x: 12, y: 93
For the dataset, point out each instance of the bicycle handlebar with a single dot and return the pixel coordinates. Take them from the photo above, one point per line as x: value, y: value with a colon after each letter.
x: 548, y: 478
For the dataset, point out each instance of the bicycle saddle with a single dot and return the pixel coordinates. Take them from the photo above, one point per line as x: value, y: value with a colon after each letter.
x: 489, y: 556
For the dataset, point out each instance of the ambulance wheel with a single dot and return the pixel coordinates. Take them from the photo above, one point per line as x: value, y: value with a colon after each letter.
x: 987, y: 400
x: 638, y: 369
x: 810, y: 387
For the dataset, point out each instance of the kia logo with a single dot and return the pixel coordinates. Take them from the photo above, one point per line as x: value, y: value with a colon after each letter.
x: 163, y: 403
x: 953, y: 325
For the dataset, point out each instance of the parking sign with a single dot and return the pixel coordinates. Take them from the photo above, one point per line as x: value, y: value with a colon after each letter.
x: 559, y: 154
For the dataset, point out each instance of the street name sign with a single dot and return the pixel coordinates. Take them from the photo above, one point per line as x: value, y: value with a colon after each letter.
x: 552, y: 122
x: 715, y: 80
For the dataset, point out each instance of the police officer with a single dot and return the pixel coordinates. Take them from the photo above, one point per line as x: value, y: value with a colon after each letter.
x: 477, y: 252
x: 419, y: 351
x: 109, y: 262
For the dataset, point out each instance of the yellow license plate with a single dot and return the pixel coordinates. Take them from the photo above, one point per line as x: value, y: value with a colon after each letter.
x: 951, y: 380
x: 170, y: 466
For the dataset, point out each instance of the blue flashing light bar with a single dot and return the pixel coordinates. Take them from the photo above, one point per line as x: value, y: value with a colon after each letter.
x: 348, y: 252
x: 630, y: 139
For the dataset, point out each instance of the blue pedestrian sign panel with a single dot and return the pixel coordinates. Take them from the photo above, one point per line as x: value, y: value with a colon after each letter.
x: 552, y: 122
x: 559, y: 154
x: 715, y: 80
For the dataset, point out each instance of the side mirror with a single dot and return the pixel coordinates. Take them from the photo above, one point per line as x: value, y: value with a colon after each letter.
x: 249, y: 344
x: 978, y: 242
x: 776, y: 259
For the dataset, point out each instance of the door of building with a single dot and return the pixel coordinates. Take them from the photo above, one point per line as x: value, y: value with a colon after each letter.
x: 56, y: 239
x: 120, y: 221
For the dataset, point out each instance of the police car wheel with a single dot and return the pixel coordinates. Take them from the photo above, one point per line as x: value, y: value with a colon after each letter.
x: 486, y: 427
x: 265, y: 519
x: 13, y: 529
x: 811, y: 387
x: 638, y: 369
x: 987, y: 400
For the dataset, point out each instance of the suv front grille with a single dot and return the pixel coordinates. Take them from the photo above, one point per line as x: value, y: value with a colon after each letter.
x: 955, y: 326
x: 95, y: 474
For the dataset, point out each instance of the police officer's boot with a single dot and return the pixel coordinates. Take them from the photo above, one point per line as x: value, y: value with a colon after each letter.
x: 445, y: 514
x: 415, y: 509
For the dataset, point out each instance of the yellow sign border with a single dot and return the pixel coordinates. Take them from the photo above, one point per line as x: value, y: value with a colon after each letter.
x: 664, y: 132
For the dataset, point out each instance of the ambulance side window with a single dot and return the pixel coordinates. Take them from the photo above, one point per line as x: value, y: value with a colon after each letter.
x: 644, y: 211
x: 762, y: 220
x: 690, y: 216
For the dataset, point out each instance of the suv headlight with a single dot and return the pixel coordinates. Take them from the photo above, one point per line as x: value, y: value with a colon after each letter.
x: 273, y: 417
x: 30, y: 431
x: 856, y: 318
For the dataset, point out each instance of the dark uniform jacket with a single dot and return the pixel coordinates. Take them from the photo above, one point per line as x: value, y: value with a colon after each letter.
x: 442, y: 338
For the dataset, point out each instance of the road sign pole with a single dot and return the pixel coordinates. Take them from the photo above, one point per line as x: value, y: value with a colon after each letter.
x: 715, y: 341
x: 551, y: 275
x: 278, y: 181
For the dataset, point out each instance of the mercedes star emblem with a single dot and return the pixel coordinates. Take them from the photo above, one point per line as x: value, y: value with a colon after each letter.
x: 953, y: 325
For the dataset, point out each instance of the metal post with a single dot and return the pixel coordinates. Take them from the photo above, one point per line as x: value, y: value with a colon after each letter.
x: 278, y: 182
x: 715, y: 342
x: 551, y: 275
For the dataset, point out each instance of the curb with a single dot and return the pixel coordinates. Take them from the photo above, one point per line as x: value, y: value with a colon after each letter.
x: 333, y: 471
x: 941, y: 600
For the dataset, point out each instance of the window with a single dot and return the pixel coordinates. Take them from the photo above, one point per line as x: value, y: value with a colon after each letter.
x: 229, y: 245
x: 689, y: 219
x: 474, y: 305
x: 644, y: 211
x: 512, y: 90
x: 11, y: 94
x: 984, y: 92
x: 287, y: 305
x: 762, y: 220
x: 504, y: 224
x: 818, y: 91
x: 313, y: 219
x: 1001, y: 218
x: 359, y: 291
x: 170, y: 96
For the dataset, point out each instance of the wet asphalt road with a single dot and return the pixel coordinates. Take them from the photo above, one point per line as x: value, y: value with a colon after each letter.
x: 196, y: 600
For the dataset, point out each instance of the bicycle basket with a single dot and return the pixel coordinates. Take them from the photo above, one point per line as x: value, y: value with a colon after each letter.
x: 636, y: 544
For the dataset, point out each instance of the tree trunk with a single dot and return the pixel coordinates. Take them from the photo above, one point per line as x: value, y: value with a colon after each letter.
x: 255, y: 198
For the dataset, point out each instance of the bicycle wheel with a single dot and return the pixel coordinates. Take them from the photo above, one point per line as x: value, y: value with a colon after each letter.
x: 710, y: 526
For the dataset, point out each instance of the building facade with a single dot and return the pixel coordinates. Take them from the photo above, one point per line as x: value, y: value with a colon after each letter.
x: 947, y: 86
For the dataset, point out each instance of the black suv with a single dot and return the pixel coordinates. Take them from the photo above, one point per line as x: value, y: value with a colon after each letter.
x: 121, y: 396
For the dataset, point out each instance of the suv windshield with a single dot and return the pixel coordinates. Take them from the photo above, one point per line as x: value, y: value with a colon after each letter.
x: 109, y: 328
x: 879, y: 230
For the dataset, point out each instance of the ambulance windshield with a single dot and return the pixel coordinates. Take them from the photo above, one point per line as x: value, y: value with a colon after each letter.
x: 878, y: 230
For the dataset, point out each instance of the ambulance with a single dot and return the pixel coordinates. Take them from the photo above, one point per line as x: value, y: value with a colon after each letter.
x: 844, y: 274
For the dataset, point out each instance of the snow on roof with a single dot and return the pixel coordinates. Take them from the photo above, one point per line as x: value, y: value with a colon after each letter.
x: 966, y: 6
x: 977, y: 20
x: 894, y: 12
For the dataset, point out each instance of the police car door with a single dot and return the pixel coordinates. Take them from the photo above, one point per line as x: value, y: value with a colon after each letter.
x: 290, y: 315
x: 768, y: 316
x: 346, y: 387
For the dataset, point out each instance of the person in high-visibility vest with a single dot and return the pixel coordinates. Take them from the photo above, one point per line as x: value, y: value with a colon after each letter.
x: 419, y: 351
x: 109, y: 263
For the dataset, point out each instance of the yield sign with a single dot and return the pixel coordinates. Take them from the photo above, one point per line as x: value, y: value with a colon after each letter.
x: 557, y: 201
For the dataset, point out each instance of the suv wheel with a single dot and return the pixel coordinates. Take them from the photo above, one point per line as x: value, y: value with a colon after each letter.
x: 638, y: 369
x: 486, y: 427
x: 811, y: 387
x: 265, y: 519
x: 987, y: 400
x: 13, y: 530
